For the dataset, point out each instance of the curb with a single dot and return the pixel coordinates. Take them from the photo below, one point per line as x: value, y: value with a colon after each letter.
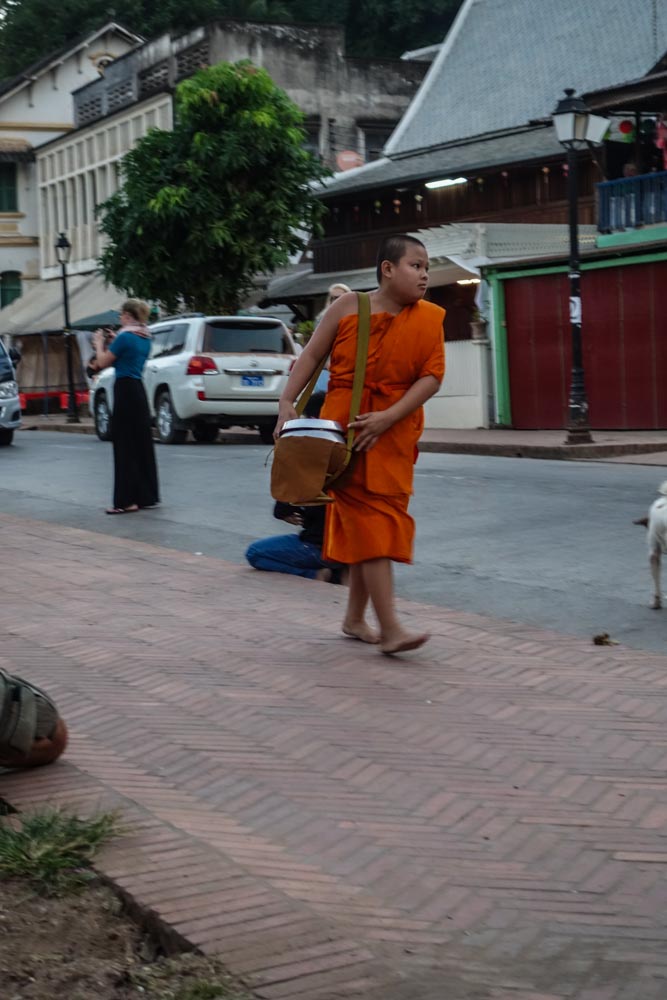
x: 226, y: 437
x: 568, y: 453
x: 62, y: 428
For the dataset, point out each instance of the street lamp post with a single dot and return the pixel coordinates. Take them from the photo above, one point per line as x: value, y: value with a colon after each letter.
x: 63, y: 249
x: 576, y: 129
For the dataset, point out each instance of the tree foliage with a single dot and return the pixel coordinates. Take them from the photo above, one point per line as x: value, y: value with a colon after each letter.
x: 30, y: 29
x: 390, y: 27
x: 223, y: 196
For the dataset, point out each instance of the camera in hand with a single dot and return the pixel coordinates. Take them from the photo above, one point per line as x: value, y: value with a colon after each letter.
x: 108, y: 334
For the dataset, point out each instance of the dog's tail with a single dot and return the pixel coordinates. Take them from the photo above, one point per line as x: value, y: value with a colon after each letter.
x: 663, y: 489
x: 641, y: 520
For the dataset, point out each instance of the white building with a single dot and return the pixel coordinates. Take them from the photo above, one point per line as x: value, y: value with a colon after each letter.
x: 36, y: 107
x: 78, y: 172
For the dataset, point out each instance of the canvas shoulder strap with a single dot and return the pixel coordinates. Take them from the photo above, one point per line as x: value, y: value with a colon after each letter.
x: 363, y: 333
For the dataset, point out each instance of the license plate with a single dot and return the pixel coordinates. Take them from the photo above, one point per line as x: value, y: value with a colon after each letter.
x: 253, y: 380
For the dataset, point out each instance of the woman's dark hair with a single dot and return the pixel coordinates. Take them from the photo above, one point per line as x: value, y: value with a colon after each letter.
x: 393, y: 248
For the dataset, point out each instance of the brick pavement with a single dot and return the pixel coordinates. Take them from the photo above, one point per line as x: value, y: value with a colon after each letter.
x: 485, y: 819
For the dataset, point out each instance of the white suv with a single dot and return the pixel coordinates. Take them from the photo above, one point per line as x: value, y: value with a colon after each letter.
x: 10, y: 407
x: 208, y: 372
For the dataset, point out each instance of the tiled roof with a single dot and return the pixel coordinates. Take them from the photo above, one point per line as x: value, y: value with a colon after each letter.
x: 505, y: 63
x: 464, y: 158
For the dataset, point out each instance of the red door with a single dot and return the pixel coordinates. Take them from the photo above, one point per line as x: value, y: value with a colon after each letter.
x: 624, y: 332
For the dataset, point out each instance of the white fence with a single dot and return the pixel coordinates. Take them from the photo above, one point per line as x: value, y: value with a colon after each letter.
x: 463, y: 398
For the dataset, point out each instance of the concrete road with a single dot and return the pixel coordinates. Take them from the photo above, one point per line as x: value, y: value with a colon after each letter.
x: 547, y: 543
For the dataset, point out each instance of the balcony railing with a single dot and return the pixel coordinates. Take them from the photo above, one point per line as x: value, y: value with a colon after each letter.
x: 632, y: 202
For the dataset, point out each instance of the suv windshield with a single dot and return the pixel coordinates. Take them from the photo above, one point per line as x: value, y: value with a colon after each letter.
x: 245, y: 338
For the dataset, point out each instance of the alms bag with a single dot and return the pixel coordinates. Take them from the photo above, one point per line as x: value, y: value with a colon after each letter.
x: 310, y: 455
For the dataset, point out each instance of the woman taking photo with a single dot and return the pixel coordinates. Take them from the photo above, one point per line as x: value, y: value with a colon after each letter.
x: 135, y: 471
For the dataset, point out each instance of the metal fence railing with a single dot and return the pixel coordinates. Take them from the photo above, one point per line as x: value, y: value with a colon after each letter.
x: 632, y: 201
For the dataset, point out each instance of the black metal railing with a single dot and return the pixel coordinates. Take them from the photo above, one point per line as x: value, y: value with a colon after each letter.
x: 632, y: 202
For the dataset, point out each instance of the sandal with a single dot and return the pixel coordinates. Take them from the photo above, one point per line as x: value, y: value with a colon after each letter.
x: 123, y: 510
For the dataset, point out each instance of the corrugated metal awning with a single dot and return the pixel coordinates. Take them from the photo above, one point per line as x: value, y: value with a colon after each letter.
x: 306, y: 285
x: 15, y: 150
x: 41, y: 308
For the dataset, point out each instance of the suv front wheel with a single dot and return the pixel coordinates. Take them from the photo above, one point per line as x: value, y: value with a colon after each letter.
x: 165, y: 420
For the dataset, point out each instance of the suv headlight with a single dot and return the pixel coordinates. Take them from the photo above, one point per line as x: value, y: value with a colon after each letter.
x: 8, y: 389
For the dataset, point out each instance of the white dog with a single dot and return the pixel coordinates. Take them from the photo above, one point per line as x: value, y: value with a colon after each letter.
x: 656, y: 522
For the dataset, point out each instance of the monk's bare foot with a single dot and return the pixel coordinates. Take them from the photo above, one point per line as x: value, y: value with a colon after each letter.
x: 361, y: 631
x: 325, y: 575
x: 401, y: 642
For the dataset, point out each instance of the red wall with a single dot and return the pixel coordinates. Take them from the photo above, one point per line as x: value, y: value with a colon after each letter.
x: 624, y: 333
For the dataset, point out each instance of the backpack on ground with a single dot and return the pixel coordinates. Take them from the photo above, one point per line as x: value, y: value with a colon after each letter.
x: 27, y: 714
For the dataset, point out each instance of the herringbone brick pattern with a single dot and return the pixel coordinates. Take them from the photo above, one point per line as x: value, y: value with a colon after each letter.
x: 485, y: 819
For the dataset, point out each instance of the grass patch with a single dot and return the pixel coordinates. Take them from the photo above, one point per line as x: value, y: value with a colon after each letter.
x: 187, y: 977
x: 52, y: 849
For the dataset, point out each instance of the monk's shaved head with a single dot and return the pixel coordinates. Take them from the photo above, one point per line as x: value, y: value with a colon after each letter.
x: 394, y: 248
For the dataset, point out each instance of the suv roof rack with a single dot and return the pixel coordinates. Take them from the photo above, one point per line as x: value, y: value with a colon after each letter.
x: 188, y: 315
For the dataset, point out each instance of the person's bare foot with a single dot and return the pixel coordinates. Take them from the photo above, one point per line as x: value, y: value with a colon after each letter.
x: 361, y: 631
x: 324, y: 575
x: 401, y: 642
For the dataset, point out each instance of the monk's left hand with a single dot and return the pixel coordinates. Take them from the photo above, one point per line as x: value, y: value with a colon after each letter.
x: 369, y: 427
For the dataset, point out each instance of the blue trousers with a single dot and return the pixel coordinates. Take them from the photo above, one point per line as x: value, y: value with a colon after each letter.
x: 286, y: 554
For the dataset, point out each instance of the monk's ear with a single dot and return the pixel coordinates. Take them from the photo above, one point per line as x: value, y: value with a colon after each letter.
x: 386, y: 269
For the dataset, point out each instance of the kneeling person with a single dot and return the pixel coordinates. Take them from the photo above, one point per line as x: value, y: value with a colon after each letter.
x: 299, y: 554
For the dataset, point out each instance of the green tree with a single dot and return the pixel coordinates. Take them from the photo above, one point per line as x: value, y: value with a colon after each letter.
x: 388, y: 28
x: 227, y: 194
x: 30, y: 29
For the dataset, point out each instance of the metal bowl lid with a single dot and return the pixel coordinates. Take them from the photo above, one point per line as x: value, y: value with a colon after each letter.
x: 312, y: 424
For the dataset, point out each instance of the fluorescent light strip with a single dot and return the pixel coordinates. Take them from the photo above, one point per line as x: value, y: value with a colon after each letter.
x: 446, y: 182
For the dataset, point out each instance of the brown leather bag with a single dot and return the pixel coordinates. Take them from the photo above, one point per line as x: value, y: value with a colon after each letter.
x: 304, y: 467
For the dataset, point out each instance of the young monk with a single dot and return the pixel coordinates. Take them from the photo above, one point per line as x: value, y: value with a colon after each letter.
x: 368, y: 525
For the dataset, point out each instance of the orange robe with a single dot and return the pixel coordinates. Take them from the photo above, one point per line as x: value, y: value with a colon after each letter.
x: 369, y: 518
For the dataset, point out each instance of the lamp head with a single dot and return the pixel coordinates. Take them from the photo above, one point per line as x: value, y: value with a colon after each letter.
x: 576, y: 126
x: 63, y: 249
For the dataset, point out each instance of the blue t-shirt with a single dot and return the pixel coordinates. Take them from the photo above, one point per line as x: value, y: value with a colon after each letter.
x: 130, y: 351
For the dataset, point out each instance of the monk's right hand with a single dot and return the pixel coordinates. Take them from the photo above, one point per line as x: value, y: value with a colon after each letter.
x: 286, y: 412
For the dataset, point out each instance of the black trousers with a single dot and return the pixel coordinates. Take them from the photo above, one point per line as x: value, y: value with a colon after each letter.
x: 135, y: 470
